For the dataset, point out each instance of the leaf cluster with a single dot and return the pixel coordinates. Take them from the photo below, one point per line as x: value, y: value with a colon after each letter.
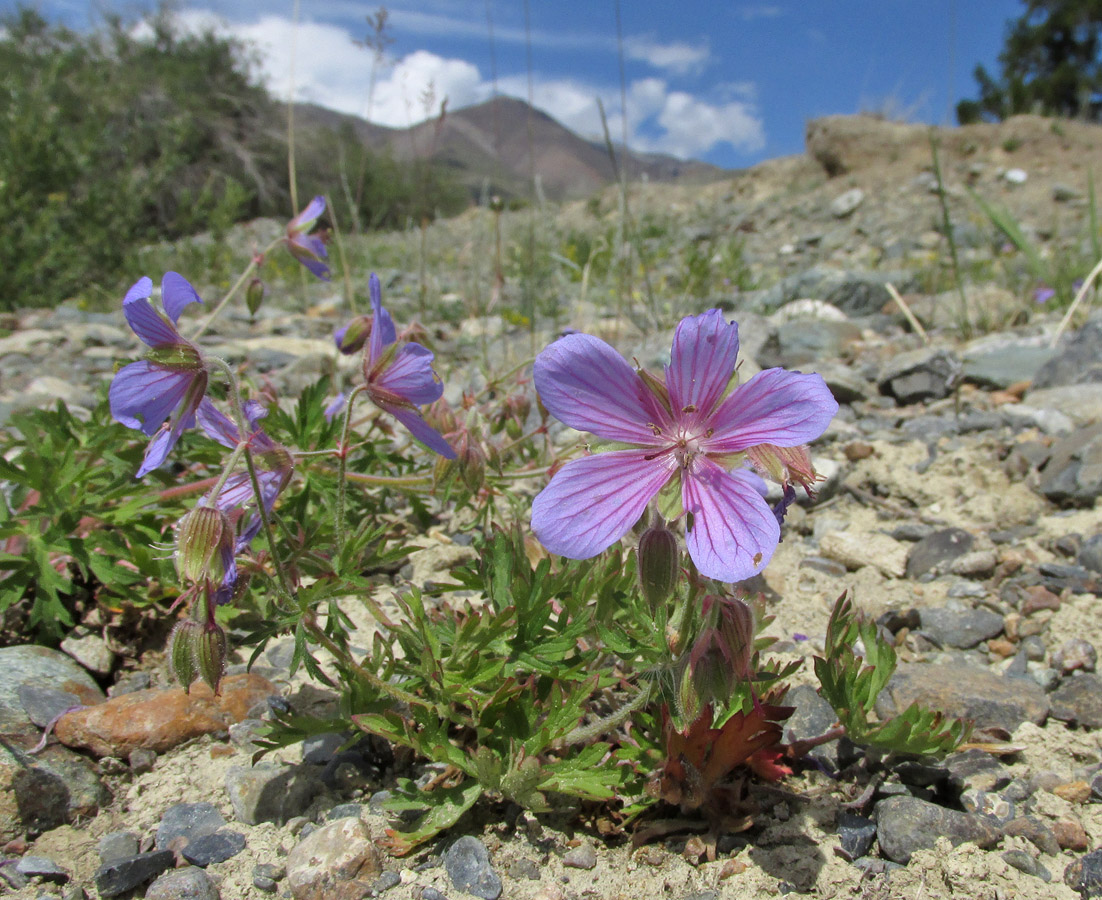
x: 851, y: 683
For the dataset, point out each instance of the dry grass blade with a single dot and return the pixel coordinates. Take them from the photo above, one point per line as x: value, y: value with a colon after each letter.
x: 907, y: 314
x: 1086, y: 286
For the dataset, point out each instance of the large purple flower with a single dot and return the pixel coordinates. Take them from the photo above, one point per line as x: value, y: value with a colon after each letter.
x: 399, y: 377
x: 159, y: 394
x: 305, y: 247
x: 274, y: 465
x: 687, y: 430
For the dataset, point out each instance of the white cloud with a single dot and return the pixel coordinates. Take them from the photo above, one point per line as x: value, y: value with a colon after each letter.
x: 331, y: 71
x: 680, y: 57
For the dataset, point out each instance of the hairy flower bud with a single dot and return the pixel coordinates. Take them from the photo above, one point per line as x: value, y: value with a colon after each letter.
x: 204, y: 547
x: 658, y: 564
x: 210, y: 654
x: 350, y: 338
x: 688, y: 701
x: 181, y: 651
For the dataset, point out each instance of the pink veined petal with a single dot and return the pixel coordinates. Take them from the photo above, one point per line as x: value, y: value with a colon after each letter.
x: 734, y: 532
x: 702, y: 362
x: 181, y: 420
x: 411, y: 375
x: 773, y: 407
x: 593, y: 501
x: 176, y: 293
x: 421, y: 430
x: 149, y: 391
x: 146, y: 322
x: 586, y: 384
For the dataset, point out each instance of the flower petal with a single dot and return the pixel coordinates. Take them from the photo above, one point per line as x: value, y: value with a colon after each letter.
x: 702, y: 362
x: 143, y: 395
x: 383, y: 332
x: 734, y: 532
x: 411, y: 376
x: 586, y: 384
x: 421, y: 430
x: 305, y: 220
x: 593, y: 501
x: 216, y: 425
x: 311, y: 252
x: 147, y: 323
x: 773, y: 407
x: 176, y: 293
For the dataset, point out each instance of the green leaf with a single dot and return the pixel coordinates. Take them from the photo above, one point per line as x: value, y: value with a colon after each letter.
x: 443, y: 808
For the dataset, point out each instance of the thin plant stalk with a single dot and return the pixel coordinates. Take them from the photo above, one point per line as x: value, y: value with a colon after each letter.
x: 349, y: 294
x: 907, y: 314
x: 947, y: 224
x: 1084, y: 288
x: 249, y: 269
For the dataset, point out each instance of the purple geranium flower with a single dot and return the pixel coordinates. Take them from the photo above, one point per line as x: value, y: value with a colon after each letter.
x: 159, y: 394
x: 400, y: 377
x: 274, y: 464
x: 306, y: 248
x: 688, y: 433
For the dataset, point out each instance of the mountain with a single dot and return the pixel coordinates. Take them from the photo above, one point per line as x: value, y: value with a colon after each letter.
x: 488, y: 145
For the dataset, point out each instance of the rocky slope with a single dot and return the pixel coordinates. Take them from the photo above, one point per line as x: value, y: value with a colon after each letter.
x: 963, y: 474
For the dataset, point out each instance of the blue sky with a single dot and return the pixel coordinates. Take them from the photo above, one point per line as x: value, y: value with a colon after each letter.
x: 729, y: 82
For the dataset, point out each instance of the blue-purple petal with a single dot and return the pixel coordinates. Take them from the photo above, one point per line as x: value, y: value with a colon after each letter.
x: 142, y: 395
x: 586, y: 384
x: 217, y: 425
x: 702, y: 361
x: 774, y: 407
x: 734, y: 532
x: 410, y: 376
x: 383, y: 332
x: 421, y: 430
x: 176, y: 293
x: 592, y: 502
x: 146, y: 322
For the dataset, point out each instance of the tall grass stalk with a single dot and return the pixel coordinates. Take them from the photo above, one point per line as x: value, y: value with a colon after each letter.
x: 964, y: 320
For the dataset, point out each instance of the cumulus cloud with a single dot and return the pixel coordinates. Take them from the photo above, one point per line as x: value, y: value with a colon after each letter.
x: 679, y: 57
x: 330, y: 70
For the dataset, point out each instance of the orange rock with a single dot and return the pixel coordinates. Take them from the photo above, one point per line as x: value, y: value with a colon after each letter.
x: 159, y: 719
x: 1073, y: 791
x: 1070, y: 835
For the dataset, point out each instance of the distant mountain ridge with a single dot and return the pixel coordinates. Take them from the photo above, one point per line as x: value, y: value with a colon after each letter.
x: 488, y: 145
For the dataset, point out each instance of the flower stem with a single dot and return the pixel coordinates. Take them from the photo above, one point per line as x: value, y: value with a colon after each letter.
x: 342, y: 469
x: 249, y: 269
x: 584, y: 733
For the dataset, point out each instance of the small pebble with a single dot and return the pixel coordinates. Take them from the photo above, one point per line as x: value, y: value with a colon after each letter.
x: 431, y: 893
x: 1023, y: 862
x: 581, y: 857
x: 386, y: 881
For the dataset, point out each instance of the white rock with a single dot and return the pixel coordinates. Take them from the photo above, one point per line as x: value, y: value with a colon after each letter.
x: 856, y: 550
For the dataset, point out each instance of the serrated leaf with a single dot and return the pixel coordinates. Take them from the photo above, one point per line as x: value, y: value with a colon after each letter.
x: 445, y: 806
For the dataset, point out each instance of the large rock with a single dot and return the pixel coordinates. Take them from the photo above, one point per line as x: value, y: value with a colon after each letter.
x: 1073, y: 473
x: 335, y: 861
x: 969, y: 692
x: 907, y: 824
x: 271, y: 792
x: 46, y: 790
x: 921, y: 375
x: 1078, y: 358
x: 46, y: 670
x: 163, y: 718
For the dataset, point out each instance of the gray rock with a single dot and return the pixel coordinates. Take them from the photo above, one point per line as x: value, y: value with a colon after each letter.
x: 468, y: 866
x: 1023, y: 862
x: 581, y: 857
x: 117, y: 845
x: 46, y: 790
x: 183, y: 884
x: 338, y: 859
x: 802, y: 342
x: 960, y: 628
x: 121, y: 875
x: 44, y: 704
x: 320, y: 749
x: 1090, y: 554
x: 998, y: 361
x: 1036, y: 832
x: 936, y: 549
x: 976, y: 769
x: 1080, y: 404
x: 524, y: 868
x: 1079, y: 700
x: 856, y: 834
x: 41, y: 867
x: 344, y: 810
x: 813, y: 716
x: 1073, y: 474
x: 989, y: 700
x: 845, y: 204
x: 386, y: 881
x: 855, y: 293
x: 270, y: 792
x: 1078, y: 358
x: 998, y: 809
x: 1075, y: 654
x: 844, y: 382
x: 188, y: 821
x: 907, y: 824
x: 44, y: 668
x: 91, y: 651
x: 1085, y: 875
x: 920, y: 375
x: 214, y: 848
x: 431, y: 893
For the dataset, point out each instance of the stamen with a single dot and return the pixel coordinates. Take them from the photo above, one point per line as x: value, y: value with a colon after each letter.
x: 691, y: 408
x: 657, y: 431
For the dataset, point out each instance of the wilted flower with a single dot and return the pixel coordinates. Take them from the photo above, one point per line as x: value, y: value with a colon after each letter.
x: 305, y: 247
x: 686, y: 435
x: 274, y: 464
x: 399, y: 377
x: 159, y: 394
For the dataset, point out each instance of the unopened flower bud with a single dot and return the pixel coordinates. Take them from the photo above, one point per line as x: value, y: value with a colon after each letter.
x: 210, y: 654
x: 658, y: 564
x: 254, y: 295
x: 204, y: 546
x: 711, y: 674
x: 181, y: 651
x: 688, y: 699
x: 350, y: 338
